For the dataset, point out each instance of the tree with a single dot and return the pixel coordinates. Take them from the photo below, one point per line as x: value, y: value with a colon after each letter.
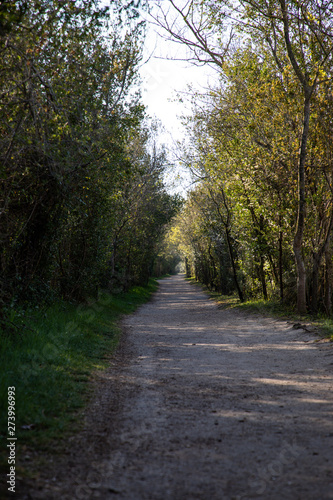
x: 11, y: 14
x: 76, y: 173
x: 298, y: 33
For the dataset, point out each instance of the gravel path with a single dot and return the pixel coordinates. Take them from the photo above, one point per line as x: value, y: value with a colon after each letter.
x: 205, y: 403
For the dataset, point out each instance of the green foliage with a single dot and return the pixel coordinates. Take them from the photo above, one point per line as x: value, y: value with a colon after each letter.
x: 82, y: 198
x: 258, y: 135
x: 203, y: 238
x: 245, y: 137
x: 11, y: 13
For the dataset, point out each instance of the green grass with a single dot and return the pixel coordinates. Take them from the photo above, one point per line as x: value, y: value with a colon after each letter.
x: 50, y: 356
x: 270, y: 307
x: 320, y: 323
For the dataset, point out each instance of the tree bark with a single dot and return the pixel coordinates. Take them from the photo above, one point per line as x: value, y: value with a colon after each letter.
x: 187, y: 268
x: 226, y: 224
x: 308, y: 91
x: 314, y: 283
x: 316, y: 266
x: 328, y: 281
x: 239, y: 290
x: 262, y: 277
x: 298, y: 239
x: 281, y: 266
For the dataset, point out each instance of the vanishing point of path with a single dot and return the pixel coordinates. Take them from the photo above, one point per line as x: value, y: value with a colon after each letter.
x: 205, y: 403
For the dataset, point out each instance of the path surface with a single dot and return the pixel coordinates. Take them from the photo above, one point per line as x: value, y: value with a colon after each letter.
x: 205, y: 403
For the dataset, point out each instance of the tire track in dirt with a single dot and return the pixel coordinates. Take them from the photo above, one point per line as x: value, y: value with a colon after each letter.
x: 204, y: 403
x: 223, y: 405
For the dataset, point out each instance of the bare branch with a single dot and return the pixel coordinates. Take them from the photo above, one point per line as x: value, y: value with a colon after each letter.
x: 196, y: 33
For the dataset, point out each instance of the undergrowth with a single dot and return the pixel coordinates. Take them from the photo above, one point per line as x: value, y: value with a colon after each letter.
x: 322, y: 324
x: 319, y: 322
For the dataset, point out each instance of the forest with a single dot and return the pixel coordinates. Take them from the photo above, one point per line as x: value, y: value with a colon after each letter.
x: 88, y: 222
x: 84, y: 205
x: 259, y: 219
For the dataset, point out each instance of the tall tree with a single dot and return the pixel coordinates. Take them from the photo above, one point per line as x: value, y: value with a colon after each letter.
x: 70, y: 108
x: 298, y: 31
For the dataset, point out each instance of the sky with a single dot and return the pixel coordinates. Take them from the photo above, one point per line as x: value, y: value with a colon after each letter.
x: 162, y: 79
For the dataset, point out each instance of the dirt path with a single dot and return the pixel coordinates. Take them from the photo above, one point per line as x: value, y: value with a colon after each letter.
x: 204, y: 403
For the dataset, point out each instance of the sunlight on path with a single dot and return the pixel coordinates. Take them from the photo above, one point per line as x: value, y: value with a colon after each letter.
x: 221, y: 405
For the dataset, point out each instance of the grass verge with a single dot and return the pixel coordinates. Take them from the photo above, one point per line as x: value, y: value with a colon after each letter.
x: 319, y: 323
x: 49, y: 358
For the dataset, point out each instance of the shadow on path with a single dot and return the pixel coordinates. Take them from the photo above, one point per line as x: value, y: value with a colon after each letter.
x: 211, y: 404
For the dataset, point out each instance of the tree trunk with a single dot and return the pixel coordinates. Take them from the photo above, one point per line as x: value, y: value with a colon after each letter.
x: 314, y: 283
x: 298, y: 239
x: 308, y: 91
x: 328, y: 281
x: 239, y: 290
x: 281, y: 266
x: 226, y: 224
x: 187, y: 268
x: 316, y: 266
x: 262, y: 277
x: 213, y: 273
